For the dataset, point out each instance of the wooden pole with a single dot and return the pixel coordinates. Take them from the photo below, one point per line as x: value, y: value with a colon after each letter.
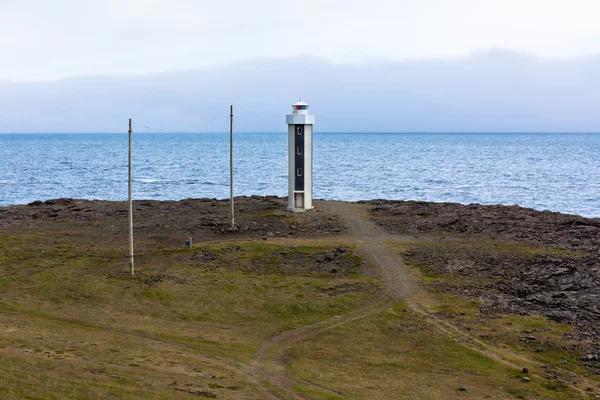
x: 131, y: 268
x: 231, y: 165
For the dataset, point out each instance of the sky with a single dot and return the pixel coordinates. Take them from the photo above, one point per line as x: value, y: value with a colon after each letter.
x: 43, y: 40
x: 378, y: 65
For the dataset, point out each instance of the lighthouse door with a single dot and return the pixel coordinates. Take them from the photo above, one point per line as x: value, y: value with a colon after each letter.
x: 299, y: 200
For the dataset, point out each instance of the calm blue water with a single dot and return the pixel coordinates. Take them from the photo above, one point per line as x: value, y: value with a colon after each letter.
x: 558, y: 172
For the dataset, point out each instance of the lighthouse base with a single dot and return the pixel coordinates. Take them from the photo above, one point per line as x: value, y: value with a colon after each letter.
x: 299, y: 210
x: 297, y: 202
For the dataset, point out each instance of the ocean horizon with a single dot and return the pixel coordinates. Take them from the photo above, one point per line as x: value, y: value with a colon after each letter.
x: 544, y: 171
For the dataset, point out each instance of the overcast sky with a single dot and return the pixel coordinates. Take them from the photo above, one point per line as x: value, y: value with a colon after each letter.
x: 46, y: 40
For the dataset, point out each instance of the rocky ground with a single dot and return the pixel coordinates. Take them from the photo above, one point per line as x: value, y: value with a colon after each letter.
x: 203, y: 219
x: 518, y: 260
x: 542, y: 228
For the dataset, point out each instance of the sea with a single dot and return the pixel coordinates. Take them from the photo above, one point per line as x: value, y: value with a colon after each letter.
x: 544, y: 171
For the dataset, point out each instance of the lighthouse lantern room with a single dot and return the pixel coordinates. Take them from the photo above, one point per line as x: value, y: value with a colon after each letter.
x: 300, y: 134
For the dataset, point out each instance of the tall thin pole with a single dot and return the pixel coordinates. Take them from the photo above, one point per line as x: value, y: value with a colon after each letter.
x: 131, y: 268
x: 231, y: 165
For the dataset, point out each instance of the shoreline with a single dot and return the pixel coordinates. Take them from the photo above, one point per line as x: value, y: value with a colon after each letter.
x: 242, y: 197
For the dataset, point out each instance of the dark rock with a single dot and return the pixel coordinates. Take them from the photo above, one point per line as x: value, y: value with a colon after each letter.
x: 205, y: 255
x: 98, y: 371
x: 328, y: 257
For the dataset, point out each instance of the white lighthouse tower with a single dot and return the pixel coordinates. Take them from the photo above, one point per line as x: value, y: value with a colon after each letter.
x: 300, y: 133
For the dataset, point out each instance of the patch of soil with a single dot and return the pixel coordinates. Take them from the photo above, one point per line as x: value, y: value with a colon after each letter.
x: 337, y: 262
x: 256, y: 216
x: 515, y: 223
x: 160, y: 277
x: 564, y: 289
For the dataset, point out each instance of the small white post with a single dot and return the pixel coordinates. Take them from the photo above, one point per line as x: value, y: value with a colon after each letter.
x: 130, y: 208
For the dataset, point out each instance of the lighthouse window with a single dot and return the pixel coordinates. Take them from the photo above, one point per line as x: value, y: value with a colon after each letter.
x: 299, y: 150
x: 299, y: 171
x: 299, y: 130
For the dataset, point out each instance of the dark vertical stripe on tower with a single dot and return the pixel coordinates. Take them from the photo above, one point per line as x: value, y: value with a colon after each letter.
x: 299, y: 156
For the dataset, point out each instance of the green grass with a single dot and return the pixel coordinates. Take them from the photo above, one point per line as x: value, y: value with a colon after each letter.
x: 397, y: 354
x: 298, y: 313
x: 505, y: 247
x: 508, y: 330
x: 160, y: 295
x: 75, y: 324
x: 68, y: 309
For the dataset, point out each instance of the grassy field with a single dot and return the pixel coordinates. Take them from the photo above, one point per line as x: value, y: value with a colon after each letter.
x: 189, y: 324
x: 75, y: 324
x: 400, y: 354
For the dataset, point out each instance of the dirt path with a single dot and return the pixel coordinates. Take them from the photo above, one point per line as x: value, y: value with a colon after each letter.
x: 371, y: 241
x: 272, y: 357
x: 270, y: 362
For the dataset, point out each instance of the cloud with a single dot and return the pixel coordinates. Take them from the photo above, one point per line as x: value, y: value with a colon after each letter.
x: 498, y: 90
x: 41, y: 40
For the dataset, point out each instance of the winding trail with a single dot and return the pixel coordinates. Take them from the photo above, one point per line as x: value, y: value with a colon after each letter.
x: 272, y: 357
x: 271, y: 360
x: 371, y: 241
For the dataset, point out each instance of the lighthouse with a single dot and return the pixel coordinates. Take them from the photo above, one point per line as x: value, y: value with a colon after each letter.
x: 300, y: 144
